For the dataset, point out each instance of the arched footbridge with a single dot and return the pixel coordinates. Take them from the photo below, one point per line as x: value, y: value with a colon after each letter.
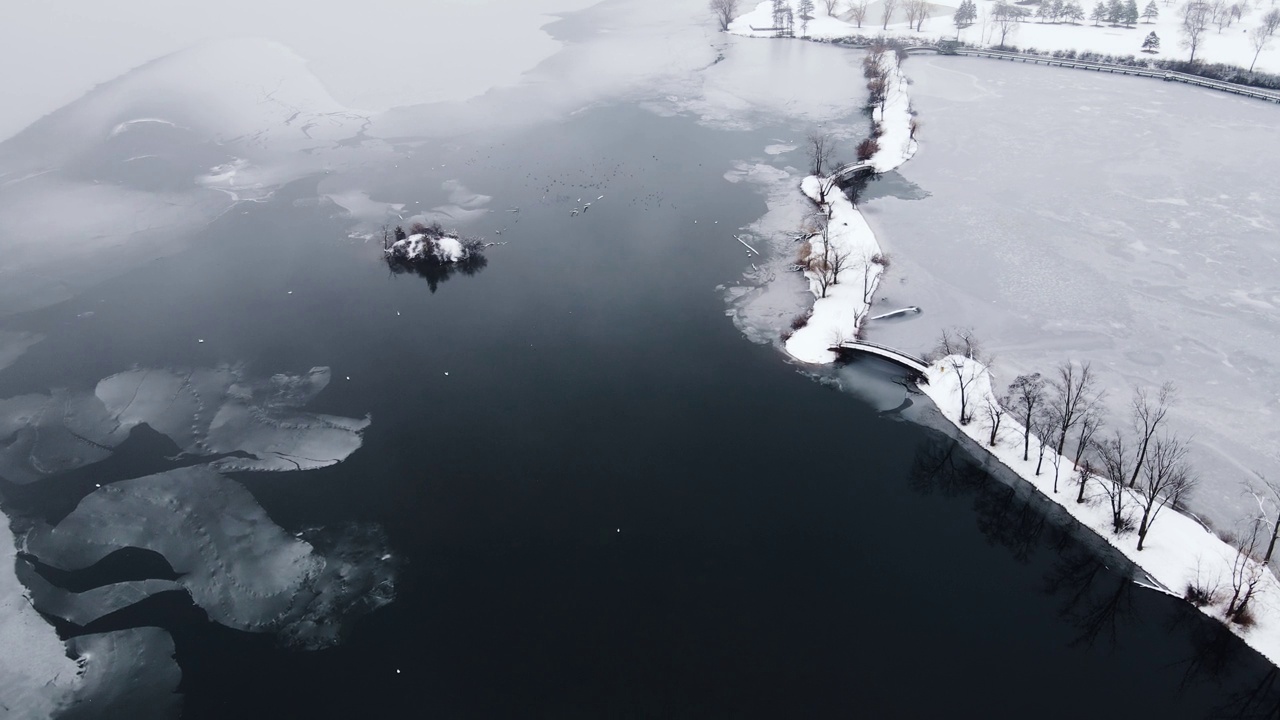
x: 911, y: 362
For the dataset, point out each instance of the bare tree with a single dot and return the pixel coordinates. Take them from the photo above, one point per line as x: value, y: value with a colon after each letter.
x: 875, y: 69
x: 858, y: 11
x: 889, y: 7
x: 1056, y: 459
x: 1268, y: 512
x: 1246, y: 573
x: 994, y: 408
x: 825, y: 187
x: 1271, y: 21
x: 912, y: 8
x: 917, y: 13
x: 1116, y: 462
x: 724, y: 11
x: 1196, y: 15
x: 959, y: 349
x: 837, y: 262
x: 1148, y: 414
x: 1006, y: 18
x: 1166, y: 480
x: 1027, y: 395
x: 830, y: 5
x: 821, y: 146
x: 1085, y: 473
x: 1259, y: 39
x: 1044, y: 424
x: 1091, y: 420
x: 1073, y: 390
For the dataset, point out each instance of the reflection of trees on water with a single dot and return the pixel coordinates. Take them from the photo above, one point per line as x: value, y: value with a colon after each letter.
x: 436, y: 273
x: 1096, y: 591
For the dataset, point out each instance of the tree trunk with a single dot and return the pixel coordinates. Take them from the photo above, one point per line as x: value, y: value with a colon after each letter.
x: 1142, y: 527
x: 1080, y: 495
x: 1271, y: 547
x: 1142, y: 457
x: 1026, y: 437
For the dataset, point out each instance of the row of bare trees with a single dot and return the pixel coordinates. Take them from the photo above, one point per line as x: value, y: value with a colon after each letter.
x: 1141, y: 466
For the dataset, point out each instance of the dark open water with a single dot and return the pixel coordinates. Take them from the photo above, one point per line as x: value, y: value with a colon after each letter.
x: 613, y: 505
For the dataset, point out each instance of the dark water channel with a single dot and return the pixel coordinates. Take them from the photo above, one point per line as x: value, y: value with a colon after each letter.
x: 611, y: 504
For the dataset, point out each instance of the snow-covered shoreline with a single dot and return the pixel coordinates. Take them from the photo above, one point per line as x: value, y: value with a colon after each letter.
x: 838, y: 313
x: 1229, y: 47
x: 1178, y: 550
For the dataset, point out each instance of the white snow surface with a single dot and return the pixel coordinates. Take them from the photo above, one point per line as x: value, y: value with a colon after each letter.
x: 897, y: 143
x: 1177, y: 547
x: 1230, y: 45
x: 837, y: 317
x: 417, y: 247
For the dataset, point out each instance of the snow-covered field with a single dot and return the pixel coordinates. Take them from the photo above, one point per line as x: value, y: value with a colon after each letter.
x: 1136, y: 236
x: 1177, y: 552
x: 1230, y: 45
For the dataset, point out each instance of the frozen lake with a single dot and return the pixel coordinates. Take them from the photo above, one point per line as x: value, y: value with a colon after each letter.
x: 1126, y: 222
x: 565, y: 485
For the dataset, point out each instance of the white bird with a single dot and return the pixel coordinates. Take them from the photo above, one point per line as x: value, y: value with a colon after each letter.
x: 573, y: 212
x: 600, y: 198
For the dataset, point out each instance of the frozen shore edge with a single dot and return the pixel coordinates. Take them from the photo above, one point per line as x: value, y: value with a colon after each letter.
x: 1178, y: 551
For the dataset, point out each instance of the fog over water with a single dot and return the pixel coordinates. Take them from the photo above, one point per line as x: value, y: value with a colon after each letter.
x: 244, y: 465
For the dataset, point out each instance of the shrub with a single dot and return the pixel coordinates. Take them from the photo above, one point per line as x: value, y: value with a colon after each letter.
x: 1244, y: 617
x: 803, y: 252
x: 1200, y: 594
x: 801, y: 320
x: 880, y: 259
x: 867, y: 149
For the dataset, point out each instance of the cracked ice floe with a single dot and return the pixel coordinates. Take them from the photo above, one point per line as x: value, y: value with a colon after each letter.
x: 127, y: 674
x: 237, y: 565
x: 205, y: 412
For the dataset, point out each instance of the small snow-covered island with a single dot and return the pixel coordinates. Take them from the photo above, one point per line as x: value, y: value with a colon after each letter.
x: 1115, y: 476
x: 432, y: 252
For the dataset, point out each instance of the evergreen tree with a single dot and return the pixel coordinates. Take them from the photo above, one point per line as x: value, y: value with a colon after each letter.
x: 1150, y: 12
x: 1130, y: 16
x: 1073, y: 12
x: 966, y: 13
x: 1152, y: 43
x: 780, y: 10
x: 1045, y: 11
x: 1099, y: 13
x: 1115, y: 12
x: 805, y: 8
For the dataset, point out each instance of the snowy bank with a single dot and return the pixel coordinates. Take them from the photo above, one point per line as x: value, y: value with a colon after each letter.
x: 843, y: 259
x: 1231, y: 47
x: 844, y: 262
x: 1178, y: 550
x: 893, y: 119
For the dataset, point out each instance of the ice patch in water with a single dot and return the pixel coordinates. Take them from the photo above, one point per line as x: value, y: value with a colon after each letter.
x: 206, y: 412
x: 245, y: 571
x: 127, y: 674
